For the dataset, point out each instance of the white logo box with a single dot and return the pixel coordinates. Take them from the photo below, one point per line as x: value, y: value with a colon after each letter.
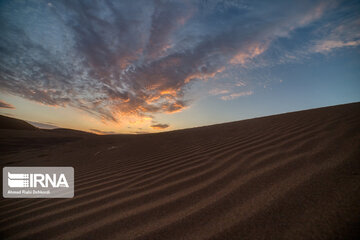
x: 38, y: 182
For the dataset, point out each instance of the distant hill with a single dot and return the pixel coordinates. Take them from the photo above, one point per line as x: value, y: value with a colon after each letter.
x: 18, y: 135
x: 17, y: 124
x: 13, y: 123
x: 68, y: 131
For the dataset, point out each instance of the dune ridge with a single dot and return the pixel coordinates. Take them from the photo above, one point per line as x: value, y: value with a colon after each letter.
x: 15, y: 124
x: 288, y: 176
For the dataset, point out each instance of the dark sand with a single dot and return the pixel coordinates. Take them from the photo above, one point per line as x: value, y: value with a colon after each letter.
x: 289, y: 176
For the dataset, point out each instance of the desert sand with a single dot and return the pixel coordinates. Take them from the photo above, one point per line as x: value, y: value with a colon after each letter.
x: 287, y: 176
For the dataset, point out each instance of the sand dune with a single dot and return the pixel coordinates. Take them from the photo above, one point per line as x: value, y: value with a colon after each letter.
x: 288, y: 176
x: 17, y: 124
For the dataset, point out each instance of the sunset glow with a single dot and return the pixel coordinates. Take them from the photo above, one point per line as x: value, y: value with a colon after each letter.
x: 150, y: 66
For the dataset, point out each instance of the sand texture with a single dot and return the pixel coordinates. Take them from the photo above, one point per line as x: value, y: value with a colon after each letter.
x: 289, y: 176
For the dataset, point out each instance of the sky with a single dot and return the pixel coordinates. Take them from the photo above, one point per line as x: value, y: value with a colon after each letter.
x: 150, y: 66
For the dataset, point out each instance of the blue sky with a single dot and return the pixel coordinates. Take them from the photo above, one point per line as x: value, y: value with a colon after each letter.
x: 148, y: 66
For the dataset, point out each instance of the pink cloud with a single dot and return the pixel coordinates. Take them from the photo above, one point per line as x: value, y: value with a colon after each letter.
x: 6, y: 105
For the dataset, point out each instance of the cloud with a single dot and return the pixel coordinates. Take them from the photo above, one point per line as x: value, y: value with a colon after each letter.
x: 328, y: 45
x: 43, y: 125
x: 243, y: 56
x: 340, y: 33
x: 6, y: 105
x: 240, y: 84
x: 101, y: 132
x: 115, y: 59
x: 159, y: 126
x: 217, y: 91
x: 236, y: 95
x: 338, y: 29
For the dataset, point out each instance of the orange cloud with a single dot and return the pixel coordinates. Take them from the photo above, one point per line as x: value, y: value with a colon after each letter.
x: 101, y: 132
x: 169, y: 91
x: 153, y: 99
x: 203, y: 76
x: 243, y: 56
x: 6, y: 105
x: 174, y: 107
x: 160, y: 126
